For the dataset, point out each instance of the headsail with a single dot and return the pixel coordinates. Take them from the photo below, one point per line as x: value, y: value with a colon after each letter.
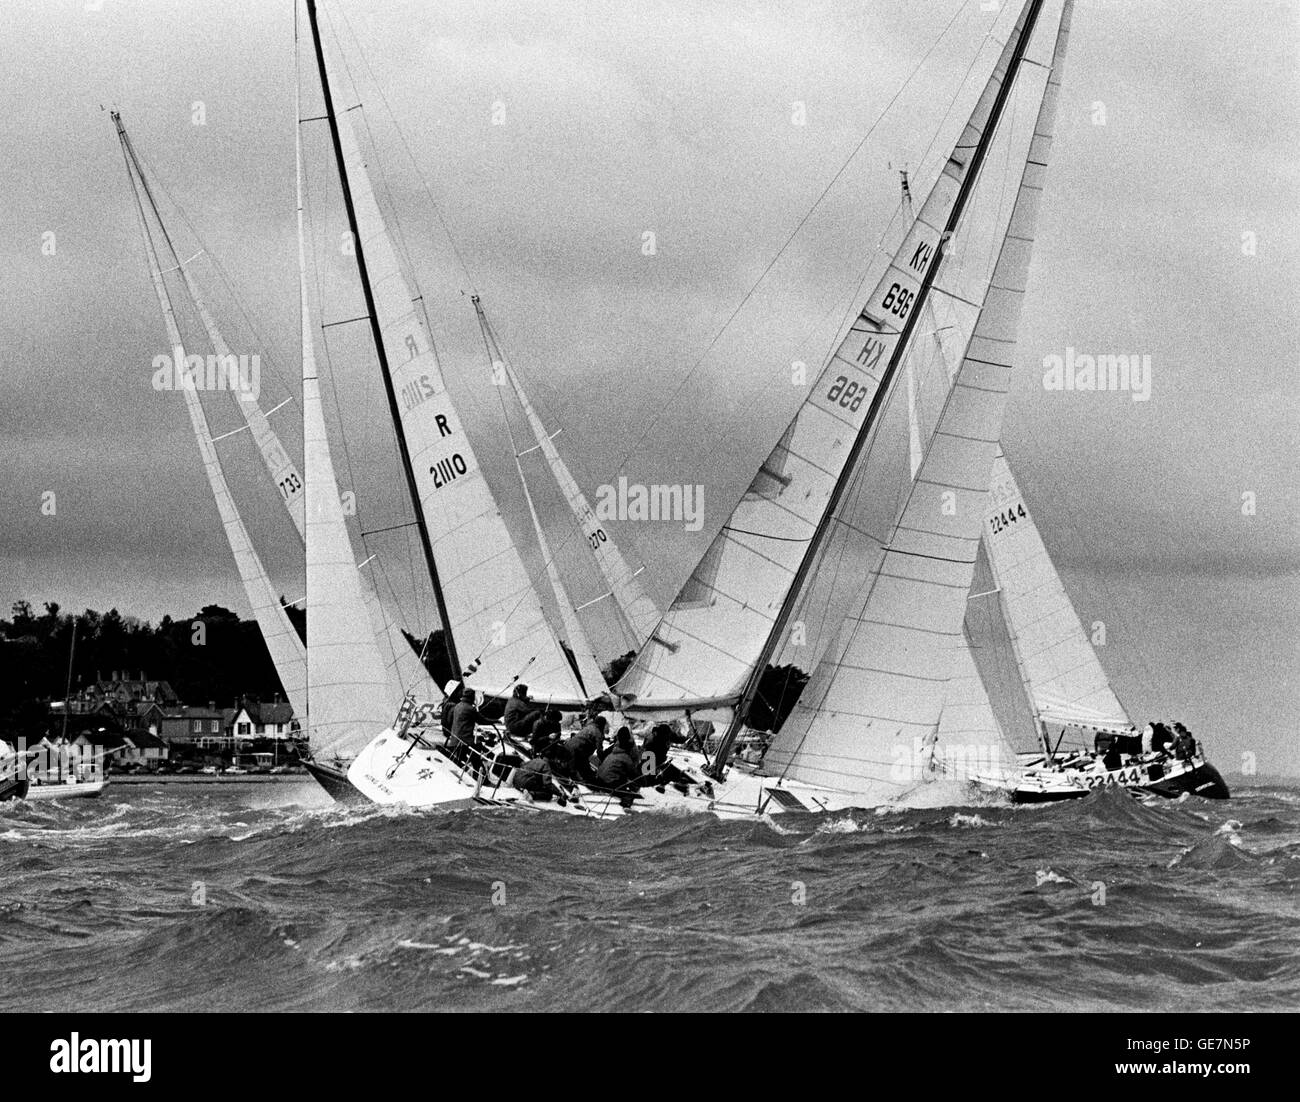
x: 570, y: 629
x: 349, y: 692
x: 876, y: 697
x: 636, y: 613
x: 990, y: 653
x: 711, y: 642
x: 1065, y: 677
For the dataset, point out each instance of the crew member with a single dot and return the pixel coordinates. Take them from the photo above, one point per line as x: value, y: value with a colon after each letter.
x: 582, y: 746
x: 521, y: 713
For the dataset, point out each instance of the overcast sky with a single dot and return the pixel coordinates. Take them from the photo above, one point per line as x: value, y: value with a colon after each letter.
x: 1168, y: 229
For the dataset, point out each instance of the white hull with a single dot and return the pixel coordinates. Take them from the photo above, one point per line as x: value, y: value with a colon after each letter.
x: 64, y: 790
x: 394, y: 770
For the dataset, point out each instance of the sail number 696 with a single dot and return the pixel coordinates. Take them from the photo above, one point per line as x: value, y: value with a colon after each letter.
x: 898, y: 300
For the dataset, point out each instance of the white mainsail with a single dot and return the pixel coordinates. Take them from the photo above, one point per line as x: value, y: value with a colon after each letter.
x: 349, y: 692
x: 1065, y: 678
x: 637, y: 614
x: 282, y: 641
x: 713, y: 636
x: 876, y: 697
x: 495, y: 615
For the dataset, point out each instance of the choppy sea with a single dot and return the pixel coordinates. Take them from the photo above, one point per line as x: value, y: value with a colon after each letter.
x: 266, y: 897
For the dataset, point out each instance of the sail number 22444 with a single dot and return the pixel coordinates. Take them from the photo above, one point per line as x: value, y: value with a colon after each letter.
x: 1003, y: 520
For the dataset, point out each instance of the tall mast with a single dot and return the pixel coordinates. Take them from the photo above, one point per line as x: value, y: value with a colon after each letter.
x: 378, y: 337
x: 878, y: 399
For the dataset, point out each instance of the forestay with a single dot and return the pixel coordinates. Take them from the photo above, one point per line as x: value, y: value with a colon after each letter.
x: 714, y: 634
x: 875, y: 699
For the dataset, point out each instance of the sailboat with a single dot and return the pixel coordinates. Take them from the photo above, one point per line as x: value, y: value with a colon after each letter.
x: 334, y: 740
x: 892, y: 619
x: 1063, y: 723
x: 54, y: 771
x: 881, y: 552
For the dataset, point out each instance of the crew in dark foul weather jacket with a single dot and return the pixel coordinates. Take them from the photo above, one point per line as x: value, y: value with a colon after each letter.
x: 1183, y: 746
x: 452, y: 691
x: 463, y: 745
x: 580, y: 748
x: 1161, y: 737
x: 537, y: 778
x: 546, y: 730
x: 621, y: 770
x: 521, y: 713
x: 654, y: 755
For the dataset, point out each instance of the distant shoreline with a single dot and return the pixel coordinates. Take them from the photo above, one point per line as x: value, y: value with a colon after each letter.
x: 205, y: 778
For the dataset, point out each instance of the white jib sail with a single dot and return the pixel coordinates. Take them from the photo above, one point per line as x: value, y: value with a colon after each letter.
x: 706, y: 645
x: 869, y: 716
x: 349, y: 692
x: 496, y: 617
x: 1065, y: 677
x: 570, y: 628
x: 637, y: 613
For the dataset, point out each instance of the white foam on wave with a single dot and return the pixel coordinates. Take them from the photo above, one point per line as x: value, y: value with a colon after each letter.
x: 847, y: 825
x: 1229, y: 831
x: 947, y: 792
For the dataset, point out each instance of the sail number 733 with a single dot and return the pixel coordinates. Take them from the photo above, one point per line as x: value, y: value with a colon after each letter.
x: 1006, y: 518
